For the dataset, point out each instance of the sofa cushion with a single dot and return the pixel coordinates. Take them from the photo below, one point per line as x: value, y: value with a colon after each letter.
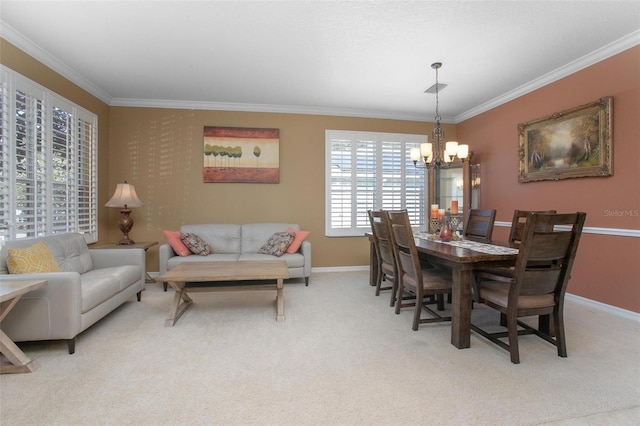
x: 176, y: 260
x: 35, y: 259
x: 254, y: 235
x: 223, y: 238
x: 293, y: 260
x: 100, y: 285
x: 277, y: 244
x: 196, y: 245
x: 69, y: 250
x: 173, y: 239
x: 300, y: 236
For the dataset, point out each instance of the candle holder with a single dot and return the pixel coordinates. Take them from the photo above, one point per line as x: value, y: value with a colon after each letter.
x: 434, y: 225
x: 455, y: 222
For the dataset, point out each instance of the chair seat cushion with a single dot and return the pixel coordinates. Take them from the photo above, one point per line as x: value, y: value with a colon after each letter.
x: 498, y: 293
x: 433, y: 280
x: 387, y: 269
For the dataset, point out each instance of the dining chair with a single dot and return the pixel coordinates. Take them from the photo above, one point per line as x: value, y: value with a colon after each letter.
x: 412, y: 275
x: 387, y: 269
x: 407, y: 298
x: 479, y: 225
x: 537, y: 284
x: 518, y: 221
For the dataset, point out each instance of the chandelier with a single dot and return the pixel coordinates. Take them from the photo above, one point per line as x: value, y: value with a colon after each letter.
x: 425, y: 154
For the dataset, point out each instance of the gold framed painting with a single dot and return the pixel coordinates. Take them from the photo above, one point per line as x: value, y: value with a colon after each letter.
x: 569, y: 144
x: 238, y: 154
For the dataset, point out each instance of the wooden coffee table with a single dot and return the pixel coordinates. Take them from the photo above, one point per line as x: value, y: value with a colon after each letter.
x: 10, y: 293
x: 191, y: 277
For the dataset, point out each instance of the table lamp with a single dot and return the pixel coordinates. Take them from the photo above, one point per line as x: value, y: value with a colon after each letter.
x: 125, y: 198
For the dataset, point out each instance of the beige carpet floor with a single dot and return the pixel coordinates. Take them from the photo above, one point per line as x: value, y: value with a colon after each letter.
x: 342, y: 357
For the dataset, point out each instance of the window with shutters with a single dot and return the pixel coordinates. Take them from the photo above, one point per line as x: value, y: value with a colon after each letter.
x: 371, y: 171
x: 48, y: 162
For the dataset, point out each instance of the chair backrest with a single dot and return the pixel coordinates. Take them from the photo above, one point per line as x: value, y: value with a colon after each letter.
x: 404, y: 245
x: 479, y: 225
x: 518, y: 221
x: 546, y: 253
x: 382, y: 236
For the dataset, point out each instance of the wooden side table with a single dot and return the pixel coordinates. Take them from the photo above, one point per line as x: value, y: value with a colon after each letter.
x: 146, y: 245
x: 10, y: 293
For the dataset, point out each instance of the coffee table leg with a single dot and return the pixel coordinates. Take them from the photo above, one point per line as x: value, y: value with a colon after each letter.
x: 19, y: 362
x: 178, y: 308
x: 280, y: 300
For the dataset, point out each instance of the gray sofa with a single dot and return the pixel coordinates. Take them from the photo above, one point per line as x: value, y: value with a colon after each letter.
x: 239, y: 242
x: 90, y: 284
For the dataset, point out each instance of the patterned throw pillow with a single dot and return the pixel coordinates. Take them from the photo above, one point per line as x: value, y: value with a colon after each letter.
x: 36, y: 259
x: 277, y: 244
x: 196, y: 244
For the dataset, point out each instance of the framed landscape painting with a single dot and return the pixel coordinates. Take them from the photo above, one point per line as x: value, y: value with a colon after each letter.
x: 236, y: 154
x: 569, y: 144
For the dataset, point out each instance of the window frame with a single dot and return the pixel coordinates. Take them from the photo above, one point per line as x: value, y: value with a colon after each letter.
x: 57, y: 144
x: 377, y: 156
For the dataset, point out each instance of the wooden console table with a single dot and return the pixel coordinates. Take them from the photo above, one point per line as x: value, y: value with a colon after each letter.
x: 10, y: 293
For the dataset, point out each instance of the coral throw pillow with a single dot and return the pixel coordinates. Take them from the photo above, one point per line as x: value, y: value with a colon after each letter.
x: 277, y: 244
x: 297, y: 241
x: 36, y: 259
x: 196, y: 244
x: 173, y: 238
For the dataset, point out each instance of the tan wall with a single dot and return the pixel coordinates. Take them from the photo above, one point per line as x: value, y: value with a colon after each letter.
x: 161, y: 152
x: 607, y: 268
x: 17, y: 60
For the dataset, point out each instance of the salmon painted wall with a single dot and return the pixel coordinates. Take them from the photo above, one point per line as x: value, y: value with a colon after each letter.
x: 607, y: 267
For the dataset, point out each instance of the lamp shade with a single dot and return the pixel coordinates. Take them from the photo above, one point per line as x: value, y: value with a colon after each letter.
x: 451, y: 147
x: 125, y: 196
x: 415, y: 154
x: 463, y: 151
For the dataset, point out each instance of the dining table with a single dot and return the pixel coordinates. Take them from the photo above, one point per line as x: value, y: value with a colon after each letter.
x: 462, y: 257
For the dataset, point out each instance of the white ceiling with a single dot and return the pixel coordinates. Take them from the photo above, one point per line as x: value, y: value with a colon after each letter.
x: 355, y: 58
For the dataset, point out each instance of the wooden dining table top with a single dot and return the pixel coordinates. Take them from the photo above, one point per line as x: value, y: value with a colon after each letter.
x: 458, y: 254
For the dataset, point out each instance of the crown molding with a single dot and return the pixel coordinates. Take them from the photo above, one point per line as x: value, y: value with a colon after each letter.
x: 592, y: 58
x: 14, y: 37
x: 282, y: 109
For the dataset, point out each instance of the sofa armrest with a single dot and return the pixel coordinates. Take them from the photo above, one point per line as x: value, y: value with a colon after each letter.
x: 305, y: 249
x: 165, y: 252
x: 117, y: 257
x: 48, y: 313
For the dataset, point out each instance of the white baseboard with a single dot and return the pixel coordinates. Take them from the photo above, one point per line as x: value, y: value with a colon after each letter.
x: 624, y: 313
x: 341, y: 268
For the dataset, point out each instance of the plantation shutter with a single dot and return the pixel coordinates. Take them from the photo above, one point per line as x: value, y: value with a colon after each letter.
x: 371, y: 171
x: 48, y: 158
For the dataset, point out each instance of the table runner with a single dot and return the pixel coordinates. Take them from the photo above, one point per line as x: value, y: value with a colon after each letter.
x: 473, y: 245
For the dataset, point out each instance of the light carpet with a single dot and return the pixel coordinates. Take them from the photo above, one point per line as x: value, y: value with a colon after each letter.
x: 342, y: 357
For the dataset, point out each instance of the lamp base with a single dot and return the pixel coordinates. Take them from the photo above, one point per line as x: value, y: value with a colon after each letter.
x: 125, y: 224
x: 126, y: 242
